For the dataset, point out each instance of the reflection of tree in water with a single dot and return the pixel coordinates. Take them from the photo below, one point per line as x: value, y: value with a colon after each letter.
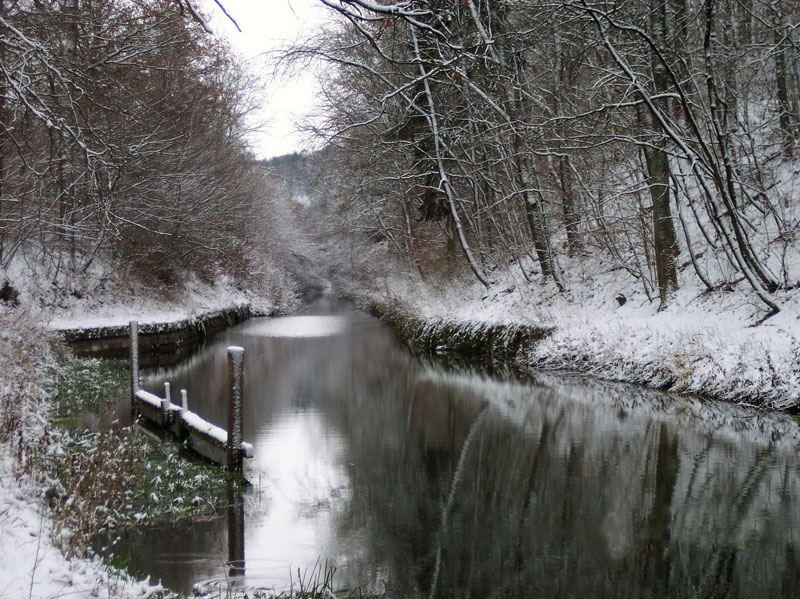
x: 554, y: 490
x: 563, y: 500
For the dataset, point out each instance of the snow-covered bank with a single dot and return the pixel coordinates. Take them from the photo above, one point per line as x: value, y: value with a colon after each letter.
x: 710, y: 345
x: 193, y: 301
x: 176, y: 336
x: 31, y: 563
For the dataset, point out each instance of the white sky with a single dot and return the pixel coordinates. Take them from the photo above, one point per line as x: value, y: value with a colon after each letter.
x: 267, y: 25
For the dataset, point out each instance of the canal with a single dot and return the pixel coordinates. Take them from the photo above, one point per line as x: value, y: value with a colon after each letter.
x: 413, y: 481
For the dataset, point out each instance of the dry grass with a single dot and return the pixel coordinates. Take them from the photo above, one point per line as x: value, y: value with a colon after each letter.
x: 93, y: 480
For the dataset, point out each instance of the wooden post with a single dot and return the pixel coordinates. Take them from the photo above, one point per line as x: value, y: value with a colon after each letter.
x: 235, y: 384
x: 166, y: 404
x: 134, y: 361
x: 180, y: 429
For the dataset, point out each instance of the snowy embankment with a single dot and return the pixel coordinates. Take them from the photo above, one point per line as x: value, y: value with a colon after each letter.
x: 111, y: 312
x: 706, y: 344
x: 31, y: 562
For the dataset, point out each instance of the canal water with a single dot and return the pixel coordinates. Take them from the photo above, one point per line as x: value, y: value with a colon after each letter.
x: 413, y: 481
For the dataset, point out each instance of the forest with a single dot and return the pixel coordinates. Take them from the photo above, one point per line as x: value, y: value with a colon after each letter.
x: 463, y: 138
x: 654, y: 139
x: 122, y: 149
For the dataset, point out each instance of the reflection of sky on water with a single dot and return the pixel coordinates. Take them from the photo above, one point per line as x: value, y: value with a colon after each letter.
x: 299, y: 326
x: 299, y: 465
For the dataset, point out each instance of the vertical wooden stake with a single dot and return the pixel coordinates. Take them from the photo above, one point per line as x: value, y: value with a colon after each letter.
x: 166, y: 404
x: 235, y: 384
x: 134, y: 361
x: 180, y: 429
x: 235, y: 531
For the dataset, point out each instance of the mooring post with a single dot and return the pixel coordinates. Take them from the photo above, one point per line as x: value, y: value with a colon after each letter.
x: 235, y: 531
x: 166, y: 404
x: 134, y: 361
x: 235, y: 384
x: 179, y: 428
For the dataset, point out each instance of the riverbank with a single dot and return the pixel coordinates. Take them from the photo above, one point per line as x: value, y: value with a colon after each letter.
x: 32, y: 342
x: 32, y: 561
x: 168, y: 327
x: 711, y: 345
x: 176, y: 336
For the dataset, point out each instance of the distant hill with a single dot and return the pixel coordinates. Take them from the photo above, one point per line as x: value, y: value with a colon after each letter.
x: 294, y: 171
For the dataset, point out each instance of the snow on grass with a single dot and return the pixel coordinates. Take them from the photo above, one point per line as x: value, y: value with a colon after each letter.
x: 31, y: 564
x: 710, y: 344
x: 103, y: 296
x: 150, y: 308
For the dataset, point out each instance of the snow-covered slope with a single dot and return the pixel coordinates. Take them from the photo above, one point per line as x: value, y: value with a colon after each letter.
x: 711, y: 344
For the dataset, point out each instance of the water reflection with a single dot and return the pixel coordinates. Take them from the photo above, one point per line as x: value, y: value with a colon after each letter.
x: 235, y: 515
x: 417, y: 482
x: 298, y: 326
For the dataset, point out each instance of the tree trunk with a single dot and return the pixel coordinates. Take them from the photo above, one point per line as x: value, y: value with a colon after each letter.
x: 663, y: 227
x: 781, y: 88
x: 745, y: 22
x: 658, y: 171
x: 571, y: 216
x: 4, y: 124
x: 570, y: 213
x: 533, y: 214
x: 444, y: 179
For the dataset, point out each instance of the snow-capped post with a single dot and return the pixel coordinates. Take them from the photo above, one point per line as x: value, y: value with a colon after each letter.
x: 180, y: 429
x: 134, y: 361
x: 235, y: 384
x: 166, y: 406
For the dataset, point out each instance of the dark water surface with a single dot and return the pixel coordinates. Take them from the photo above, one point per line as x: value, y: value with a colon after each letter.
x: 416, y: 482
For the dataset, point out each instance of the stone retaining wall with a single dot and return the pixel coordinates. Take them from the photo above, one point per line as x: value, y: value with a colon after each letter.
x: 471, y: 343
x: 160, y: 338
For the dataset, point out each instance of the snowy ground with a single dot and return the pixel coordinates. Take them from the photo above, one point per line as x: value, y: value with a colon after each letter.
x: 709, y: 344
x: 32, y: 566
x: 147, y: 308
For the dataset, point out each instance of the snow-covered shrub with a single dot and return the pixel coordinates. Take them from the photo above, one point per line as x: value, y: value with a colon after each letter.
x: 26, y: 355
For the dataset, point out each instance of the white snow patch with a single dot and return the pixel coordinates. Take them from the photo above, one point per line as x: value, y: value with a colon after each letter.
x: 194, y: 422
x: 150, y: 399
x: 32, y: 566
